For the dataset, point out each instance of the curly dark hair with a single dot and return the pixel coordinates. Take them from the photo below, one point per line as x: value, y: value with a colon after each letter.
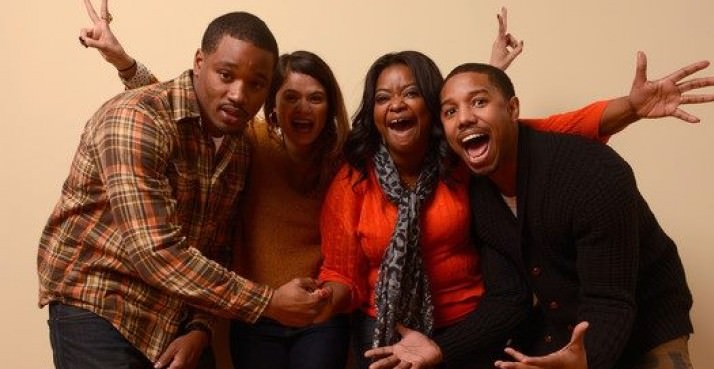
x: 364, y: 139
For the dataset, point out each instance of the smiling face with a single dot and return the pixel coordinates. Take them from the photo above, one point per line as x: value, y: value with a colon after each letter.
x: 231, y: 84
x: 400, y: 112
x: 301, y: 110
x: 480, y: 123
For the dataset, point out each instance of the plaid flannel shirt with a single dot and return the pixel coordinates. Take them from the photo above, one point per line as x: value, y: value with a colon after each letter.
x: 148, y: 204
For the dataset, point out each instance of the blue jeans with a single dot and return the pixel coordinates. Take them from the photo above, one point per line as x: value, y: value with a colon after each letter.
x: 271, y: 345
x: 83, y: 340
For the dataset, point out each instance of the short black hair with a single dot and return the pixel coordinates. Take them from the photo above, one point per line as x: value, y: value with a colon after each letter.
x: 242, y: 26
x: 496, y: 76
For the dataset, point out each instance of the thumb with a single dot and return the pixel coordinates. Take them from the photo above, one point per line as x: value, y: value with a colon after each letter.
x: 578, y: 336
x: 403, y: 331
x: 641, y: 70
x: 308, y: 284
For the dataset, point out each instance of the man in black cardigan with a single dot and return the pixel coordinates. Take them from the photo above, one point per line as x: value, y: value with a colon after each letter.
x: 565, y: 216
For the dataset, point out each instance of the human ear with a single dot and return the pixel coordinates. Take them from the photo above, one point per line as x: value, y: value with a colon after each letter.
x: 514, y: 108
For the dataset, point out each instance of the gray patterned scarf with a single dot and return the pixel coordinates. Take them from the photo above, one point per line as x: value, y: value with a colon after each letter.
x: 402, y: 293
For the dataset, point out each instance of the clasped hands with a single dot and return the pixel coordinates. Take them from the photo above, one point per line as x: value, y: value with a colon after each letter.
x: 299, y: 302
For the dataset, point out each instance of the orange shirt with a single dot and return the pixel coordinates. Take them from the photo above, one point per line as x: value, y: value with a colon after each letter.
x: 357, y: 223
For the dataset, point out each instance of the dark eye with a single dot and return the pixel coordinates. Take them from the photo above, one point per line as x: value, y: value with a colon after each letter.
x: 290, y: 98
x: 381, y: 99
x: 317, y: 99
x: 257, y: 85
x: 412, y: 93
x: 448, y: 112
x: 479, y: 102
x: 225, y: 76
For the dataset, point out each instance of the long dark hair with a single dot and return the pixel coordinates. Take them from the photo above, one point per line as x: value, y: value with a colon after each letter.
x: 364, y: 139
x: 329, y: 143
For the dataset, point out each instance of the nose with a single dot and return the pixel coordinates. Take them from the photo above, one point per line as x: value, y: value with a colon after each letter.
x: 396, y: 104
x: 237, y: 92
x: 303, y: 105
x: 465, y: 117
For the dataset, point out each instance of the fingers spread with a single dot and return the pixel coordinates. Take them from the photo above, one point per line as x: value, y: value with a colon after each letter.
x: 105, y: 9
x: 384, y: 363
x: 683, y: 115
x: 90, y: 10
x: 689, y: 69
x: 515, y: 354
x: 379, y: 352
x: 695, y: 83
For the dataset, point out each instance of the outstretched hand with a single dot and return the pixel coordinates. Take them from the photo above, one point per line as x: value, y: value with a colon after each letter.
x: 571, y: 356
x: 413, y: 351
x: 663, y: 97
x: 100, y: 37
x: 505, y: 48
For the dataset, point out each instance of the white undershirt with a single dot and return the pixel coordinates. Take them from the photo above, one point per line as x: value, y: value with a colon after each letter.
x: 217, y: 141
x: 512, y: 204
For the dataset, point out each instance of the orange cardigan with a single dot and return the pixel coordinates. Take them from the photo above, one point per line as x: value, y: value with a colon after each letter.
x: 357, y: 222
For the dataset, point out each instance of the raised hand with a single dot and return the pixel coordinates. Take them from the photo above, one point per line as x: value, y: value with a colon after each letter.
x: 505, y: 48
x: 663, y: 97
x: 571, y: 356
x: 100, y: 37
x: 414, y: 350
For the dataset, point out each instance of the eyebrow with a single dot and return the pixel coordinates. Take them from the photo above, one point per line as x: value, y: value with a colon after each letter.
x: 232, y: 65
x: 470, y: 94
x: 412, y: 84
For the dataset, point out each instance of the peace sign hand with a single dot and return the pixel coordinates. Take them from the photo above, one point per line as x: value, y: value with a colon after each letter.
x: 505, y: 48
x: 100, y: 37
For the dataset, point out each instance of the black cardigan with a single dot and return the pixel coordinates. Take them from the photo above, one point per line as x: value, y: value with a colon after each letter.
x: 585, y: 246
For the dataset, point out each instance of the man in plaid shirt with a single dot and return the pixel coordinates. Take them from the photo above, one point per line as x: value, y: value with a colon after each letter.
x: 125, y: 260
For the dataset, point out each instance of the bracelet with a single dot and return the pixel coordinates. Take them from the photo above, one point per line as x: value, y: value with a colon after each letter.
x: 132, y: 65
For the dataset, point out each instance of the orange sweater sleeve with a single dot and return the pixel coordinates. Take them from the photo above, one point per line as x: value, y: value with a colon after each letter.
x: 343, y: 259
x: 582, y: 122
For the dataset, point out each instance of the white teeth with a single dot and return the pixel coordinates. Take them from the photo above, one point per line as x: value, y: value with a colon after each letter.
x: 471, y: 137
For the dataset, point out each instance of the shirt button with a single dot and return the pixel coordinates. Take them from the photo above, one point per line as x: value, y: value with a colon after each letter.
x: 548, y: 339
x: 553, y: 305
x: 536, y: 271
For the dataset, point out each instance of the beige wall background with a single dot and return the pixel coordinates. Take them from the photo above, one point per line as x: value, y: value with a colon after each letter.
x: 575, y: 52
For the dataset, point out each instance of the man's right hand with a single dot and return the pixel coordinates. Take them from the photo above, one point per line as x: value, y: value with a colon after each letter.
x: 297, y: 302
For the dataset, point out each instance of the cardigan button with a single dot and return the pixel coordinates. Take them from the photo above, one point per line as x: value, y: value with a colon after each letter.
x: 536, y: 271
x: 548, y: 339
x: 553, y: 305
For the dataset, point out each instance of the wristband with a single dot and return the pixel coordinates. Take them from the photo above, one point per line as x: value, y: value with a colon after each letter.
x: 132, y: 65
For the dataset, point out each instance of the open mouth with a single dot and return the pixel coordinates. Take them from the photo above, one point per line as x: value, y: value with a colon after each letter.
x: 401, y: 124
x: 475, y: 145
x: 302, y: 125
x: 231, y: 112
